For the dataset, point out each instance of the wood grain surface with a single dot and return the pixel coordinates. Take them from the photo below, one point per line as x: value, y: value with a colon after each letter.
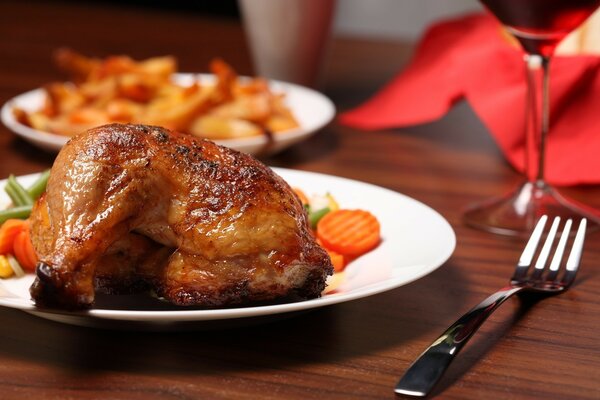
x: 356, y: 350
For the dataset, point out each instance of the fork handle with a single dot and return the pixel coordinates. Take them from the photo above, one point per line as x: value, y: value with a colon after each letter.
x: 427, y: 370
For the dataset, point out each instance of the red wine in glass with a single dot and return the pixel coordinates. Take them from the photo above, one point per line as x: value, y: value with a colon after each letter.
x: 540, y: 25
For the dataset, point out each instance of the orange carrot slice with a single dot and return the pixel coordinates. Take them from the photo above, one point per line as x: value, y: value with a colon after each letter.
x: 23, y: 250
x: 301, y: 195
x: 338, y: 261
x: 349, y: 232
x: 8, y: 232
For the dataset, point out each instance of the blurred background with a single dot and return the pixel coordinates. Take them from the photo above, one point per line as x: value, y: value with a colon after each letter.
x: 403, y: 19
x: 393, y: 18
x: 195, y: 32
x: 83, y: 25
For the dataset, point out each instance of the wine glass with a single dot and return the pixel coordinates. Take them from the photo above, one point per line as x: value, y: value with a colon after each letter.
x: 539, y: 26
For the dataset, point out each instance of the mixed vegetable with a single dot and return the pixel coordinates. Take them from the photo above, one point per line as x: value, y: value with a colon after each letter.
x: 345, y: 234
x: 16, y: 251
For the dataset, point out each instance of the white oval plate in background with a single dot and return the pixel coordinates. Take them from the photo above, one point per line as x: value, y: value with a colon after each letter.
x: 312, y: 110
x: 416, y: 240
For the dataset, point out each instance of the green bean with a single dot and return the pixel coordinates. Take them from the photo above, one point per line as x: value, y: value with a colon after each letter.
x: 23, y: 197
x: 315, y: 217
x: 10, y: 191
x: 39, y: 186
x: 21, y: 212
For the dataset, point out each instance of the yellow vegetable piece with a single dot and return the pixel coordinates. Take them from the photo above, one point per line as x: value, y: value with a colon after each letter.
x: 5, y: 270
x: 334, y: 282
x: 332, y: 202
x: 16, y: 267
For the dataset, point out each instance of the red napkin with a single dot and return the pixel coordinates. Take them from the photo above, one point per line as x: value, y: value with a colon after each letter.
x: 468, y: 58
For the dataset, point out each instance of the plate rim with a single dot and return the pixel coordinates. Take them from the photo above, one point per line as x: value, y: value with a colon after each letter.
x: 55, y: 141
x: 158, y: 316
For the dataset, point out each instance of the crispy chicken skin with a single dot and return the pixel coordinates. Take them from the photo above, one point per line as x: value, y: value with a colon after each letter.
x: 134, y: 206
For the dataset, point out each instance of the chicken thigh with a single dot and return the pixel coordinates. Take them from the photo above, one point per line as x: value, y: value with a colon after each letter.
x: 134, y: 206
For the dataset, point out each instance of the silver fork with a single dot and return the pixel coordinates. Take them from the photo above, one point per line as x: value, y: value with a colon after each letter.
x: 426, y: 371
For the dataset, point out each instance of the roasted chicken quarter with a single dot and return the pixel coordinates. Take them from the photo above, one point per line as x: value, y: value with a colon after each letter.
x: 135, y: 207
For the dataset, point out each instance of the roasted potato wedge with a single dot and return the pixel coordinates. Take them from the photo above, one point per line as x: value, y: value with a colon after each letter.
x: 120, y: 89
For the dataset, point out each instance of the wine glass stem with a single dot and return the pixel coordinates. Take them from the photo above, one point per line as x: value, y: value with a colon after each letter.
x: 538, y: 116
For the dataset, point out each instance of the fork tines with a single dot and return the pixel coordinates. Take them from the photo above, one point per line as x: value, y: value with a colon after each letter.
x: 552, y: 272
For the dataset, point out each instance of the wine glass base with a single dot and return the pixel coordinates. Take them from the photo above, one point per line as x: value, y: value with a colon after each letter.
x: 517, y: 213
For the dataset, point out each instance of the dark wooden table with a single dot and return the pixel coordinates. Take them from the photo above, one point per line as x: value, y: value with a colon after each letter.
x: 352, y: 350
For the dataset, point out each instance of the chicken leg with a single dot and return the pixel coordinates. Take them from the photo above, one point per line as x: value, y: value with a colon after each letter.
x: 219, y: 228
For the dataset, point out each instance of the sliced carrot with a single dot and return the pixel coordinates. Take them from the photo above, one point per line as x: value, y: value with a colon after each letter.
x: 23, y: 250
x: 349, y: 232
x: 301, y: 195
x: 338, y: 261
x: 8, y: 232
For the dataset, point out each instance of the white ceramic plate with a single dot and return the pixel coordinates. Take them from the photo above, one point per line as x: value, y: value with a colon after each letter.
x: 312, y: 109
x: 416, y: 241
